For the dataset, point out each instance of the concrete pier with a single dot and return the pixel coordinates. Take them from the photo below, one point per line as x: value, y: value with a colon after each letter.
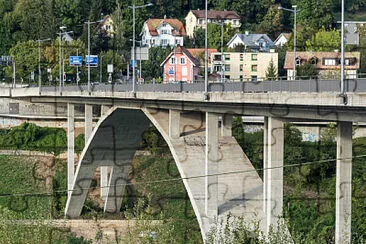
x: 211, y: 165
x: 343, y: 183
x: 274, y: 171
x: 70, y: 145
x: 88, y: 121
x: 226, y: 124
x: 174, y: 124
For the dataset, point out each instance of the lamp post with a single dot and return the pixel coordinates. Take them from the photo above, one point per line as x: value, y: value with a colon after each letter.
x: 222, y: 50
x: 88, y: 57
x: 294, y: 11
x: 39, y: 60
x: 206, y: 53
x: 61, y: 33
x: 134, y: 7
x: 343, y: 90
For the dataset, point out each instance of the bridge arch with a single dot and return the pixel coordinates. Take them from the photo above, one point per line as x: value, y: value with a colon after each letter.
x: 116, y: 138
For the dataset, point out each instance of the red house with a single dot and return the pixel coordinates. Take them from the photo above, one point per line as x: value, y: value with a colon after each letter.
x: 180, y: 65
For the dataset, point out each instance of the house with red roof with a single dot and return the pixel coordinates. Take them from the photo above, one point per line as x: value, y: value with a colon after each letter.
x: 327, y: 63
x: 180, y: 65
x: 196, y: 19
x: 162, y: 32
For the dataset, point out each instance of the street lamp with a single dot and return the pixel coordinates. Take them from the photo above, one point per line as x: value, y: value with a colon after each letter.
x: 39, y: 60
x: 134, y: 7
x: 61, y: 73
x: 294, y: 11
x: 222, y: 50
x: 206, y: 53
x: 88, y: 57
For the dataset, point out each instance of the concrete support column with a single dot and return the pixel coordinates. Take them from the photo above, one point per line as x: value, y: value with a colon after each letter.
x: 274, y: 174
x: 344, y: 183
x: 88, y: 121
x: 104, y: 169
x: 265, y: 163
x: 211, y: 165
x: 174, y: 124
x: 226, y: 125
x: 117, y: 186
x: 70, y: 146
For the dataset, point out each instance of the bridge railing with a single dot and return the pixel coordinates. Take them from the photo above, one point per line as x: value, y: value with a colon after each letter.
x: 312, y: 86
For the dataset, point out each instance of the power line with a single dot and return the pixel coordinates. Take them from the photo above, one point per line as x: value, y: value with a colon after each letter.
x: 179, y: 179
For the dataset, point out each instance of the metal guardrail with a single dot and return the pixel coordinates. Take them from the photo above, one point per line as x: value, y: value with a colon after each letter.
x: 308, y: 86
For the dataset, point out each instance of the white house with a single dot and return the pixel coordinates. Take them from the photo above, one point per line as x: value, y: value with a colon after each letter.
x: 254, y: 42
x: 162, y: 32
x: 282, y: 39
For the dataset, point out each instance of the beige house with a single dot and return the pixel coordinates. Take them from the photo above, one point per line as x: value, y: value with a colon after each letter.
x: 327, y: 63
x: 196, y: 19
x: 106, y: 26
x: 243, y: 66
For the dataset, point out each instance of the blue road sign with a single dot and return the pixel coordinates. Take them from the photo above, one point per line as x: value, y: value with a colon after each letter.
x: 92, y: 61
x: 76, y: 60
x: 131, y: 61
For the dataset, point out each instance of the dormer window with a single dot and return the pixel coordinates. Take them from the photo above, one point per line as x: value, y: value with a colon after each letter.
x: 298, y: 61
x: 313, y: 60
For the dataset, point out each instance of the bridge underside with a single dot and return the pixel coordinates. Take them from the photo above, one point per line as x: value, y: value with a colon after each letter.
x: 233, y: 186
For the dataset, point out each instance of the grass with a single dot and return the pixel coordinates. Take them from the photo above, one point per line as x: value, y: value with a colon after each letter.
x: 166, y: 200
x: 18, y: 176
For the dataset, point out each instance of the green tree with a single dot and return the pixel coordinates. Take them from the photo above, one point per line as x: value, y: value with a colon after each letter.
x: 271, y: 73
x: 324, y: 41
x: 306, y: 71
x: 315, y: 14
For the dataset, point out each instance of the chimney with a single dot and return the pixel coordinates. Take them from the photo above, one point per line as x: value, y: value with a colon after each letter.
x: 246, y: 32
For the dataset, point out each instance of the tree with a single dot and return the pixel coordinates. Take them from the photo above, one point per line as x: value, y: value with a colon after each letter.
x: 271, y: 73
x: 315, y: 14
x: 324, y: 41
x: 306, y: 71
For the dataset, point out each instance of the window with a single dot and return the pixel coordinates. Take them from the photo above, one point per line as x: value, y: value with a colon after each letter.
x: 217, y: 68
x: 254, y: 67
x: 200, y: 21
x: 298, y: 61
x: 164, y: 32
x: 254, y: 57
x: 183, y: 60
x: 254, y: 78
x: 350, y: 61
x: 164, y: 25
x: 312, y: 60
x: 227, y: 67
x: 172, y: 60
x: 227, y: 56
x: 241, y: 78
x: 177, y: 41
x: 241, y: 57
x: 241, y: 67
x: 329, y: 61
x: 217, y: 57
x: 164, y: 42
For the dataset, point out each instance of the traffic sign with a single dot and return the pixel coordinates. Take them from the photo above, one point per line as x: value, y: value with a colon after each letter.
x: 92, y: 60
x: 76, y: 60
x: 131, y: 62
